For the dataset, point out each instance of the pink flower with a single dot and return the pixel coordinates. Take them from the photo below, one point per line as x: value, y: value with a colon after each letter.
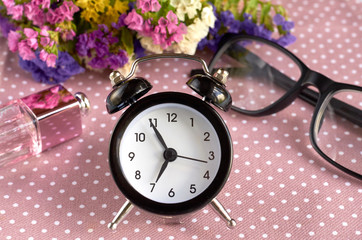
x: 181, y: 30
x: 45, y: 41
x: 48, y: 58
x: 25, y: 51
x: 30, y: 10
x: 16, y: 11
x: 13, y: 40
x: 51, y: 60
x: 162, y: 23
x: 172, y: 28
x: 32, y: 36
x: 43, y: 3
x: 44, y: 31
x: 134, y: 21
x: 171, y: 17
x: 43, y: 55
x: 67, y: 34
x: 147, y: 28
x: 9, y: 3
x: 148, y: 5
x: 30, y: 33
x: 51, y: 16
x: 62, y: 13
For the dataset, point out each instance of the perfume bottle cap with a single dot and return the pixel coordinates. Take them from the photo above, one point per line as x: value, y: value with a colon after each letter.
x: 58, y: 113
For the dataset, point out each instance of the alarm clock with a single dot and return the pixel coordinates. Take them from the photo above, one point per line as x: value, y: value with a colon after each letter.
x: 170, y: 153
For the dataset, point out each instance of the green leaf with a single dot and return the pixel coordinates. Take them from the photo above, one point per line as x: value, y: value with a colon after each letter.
x: 251, y: 5
x: 68, y: 46
x: 268, y: 23
x: 127, y: 40
x: 265, y: 12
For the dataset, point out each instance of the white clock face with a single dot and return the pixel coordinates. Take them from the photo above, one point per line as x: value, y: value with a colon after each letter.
x: 191, y: 149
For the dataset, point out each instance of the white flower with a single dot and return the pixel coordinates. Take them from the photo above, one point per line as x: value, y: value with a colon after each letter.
x: 195, y: 32
x: 208, y: 17
x: 188, y: 8
x: 147, y: 44
x: 175, y: 3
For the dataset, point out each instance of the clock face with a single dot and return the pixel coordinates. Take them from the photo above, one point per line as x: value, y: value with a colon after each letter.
x: 169, y: 151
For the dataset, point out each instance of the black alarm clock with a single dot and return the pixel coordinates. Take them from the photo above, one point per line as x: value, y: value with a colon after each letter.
x: 170, y: 152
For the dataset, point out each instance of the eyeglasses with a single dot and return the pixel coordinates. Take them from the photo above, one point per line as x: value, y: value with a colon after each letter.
x: 264, y: 78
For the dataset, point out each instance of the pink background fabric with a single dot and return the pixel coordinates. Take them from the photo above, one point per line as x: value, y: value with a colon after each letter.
x: 279, y: 188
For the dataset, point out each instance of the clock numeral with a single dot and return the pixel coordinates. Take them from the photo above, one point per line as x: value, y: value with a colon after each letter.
x: 140, y: 137
x: 153, y: 121
x: 137, y: 175
x: 207, y: 175
x: 131, y: 155
x: 192, y: 188
x: 171, y: 193
x: 207, y: 136
x: 171, y: 117
x: 192, y: 122
x: 211, y: 155
x: 153, y: 186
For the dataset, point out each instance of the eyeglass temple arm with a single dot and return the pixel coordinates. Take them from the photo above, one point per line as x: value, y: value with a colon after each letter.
x: 310, y: 96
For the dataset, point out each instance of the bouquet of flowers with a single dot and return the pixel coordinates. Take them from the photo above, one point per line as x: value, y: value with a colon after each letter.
x: 58, y: 39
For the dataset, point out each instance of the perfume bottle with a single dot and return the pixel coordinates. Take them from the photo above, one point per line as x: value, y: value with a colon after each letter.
x: 33, y: 124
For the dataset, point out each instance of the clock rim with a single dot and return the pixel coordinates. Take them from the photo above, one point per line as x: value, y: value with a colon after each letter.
x: 198, y: 202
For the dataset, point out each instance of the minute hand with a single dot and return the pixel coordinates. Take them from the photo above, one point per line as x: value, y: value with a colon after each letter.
x: 193, y: 159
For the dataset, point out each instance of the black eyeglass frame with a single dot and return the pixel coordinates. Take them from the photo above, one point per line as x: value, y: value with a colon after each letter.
x: 326, y: 87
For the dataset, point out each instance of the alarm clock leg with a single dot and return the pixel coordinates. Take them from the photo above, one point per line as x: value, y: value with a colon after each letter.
x: 122, y: 213
x: 221, y: 211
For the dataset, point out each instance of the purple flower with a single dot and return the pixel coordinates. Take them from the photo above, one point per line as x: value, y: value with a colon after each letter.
x: 262, y: 31
x: 120, y: 23
x: 98, y: 63
x: 65, y: 67
x: 278, y: 19
x: 6, y: 26
x: 101, y: 49
x: 138, y: 49
x: 247, y: 25
x: 81, y: 45
x: 285, y: 40
x: 117, y: 60
x: 227, y: 18
x: 288, y: 25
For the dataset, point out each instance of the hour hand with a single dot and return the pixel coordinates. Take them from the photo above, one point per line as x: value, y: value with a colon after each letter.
x: 160, y: 138
x: 162, y: 170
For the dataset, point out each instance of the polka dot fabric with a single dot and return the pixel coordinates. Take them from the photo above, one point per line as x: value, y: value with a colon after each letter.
x: 279, y: 188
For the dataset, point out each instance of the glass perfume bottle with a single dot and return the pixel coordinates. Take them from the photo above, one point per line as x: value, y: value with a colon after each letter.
x: 35, y: 123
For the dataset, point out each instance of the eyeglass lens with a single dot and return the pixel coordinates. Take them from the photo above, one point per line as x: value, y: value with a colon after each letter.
x: 260, y: 74
x: 336, y: 136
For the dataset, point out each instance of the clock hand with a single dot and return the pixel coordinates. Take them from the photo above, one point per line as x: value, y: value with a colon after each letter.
x: 193, y: 159
x: 158, y: 135
x: 169, y: 155
x: 163, y: 168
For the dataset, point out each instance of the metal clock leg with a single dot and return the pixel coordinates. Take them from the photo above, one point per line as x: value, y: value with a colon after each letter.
x: 221, y: 211
x: 122, y: 213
